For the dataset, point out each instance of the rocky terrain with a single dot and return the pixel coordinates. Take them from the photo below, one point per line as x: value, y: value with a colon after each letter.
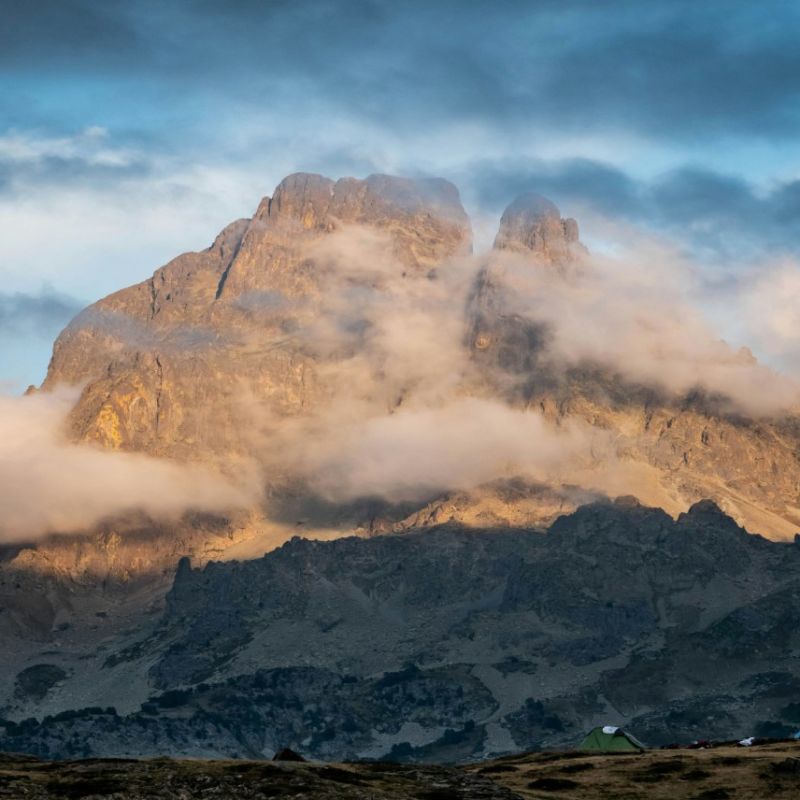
x: 722, y: 773
x: 448, y: 644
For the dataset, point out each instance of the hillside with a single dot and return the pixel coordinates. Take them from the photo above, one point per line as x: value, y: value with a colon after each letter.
x: 441, y: 645
x: 723, y: 773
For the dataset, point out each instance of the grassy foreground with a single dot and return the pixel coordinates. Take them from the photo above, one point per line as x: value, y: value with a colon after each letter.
x: 755, y: 773
x: 767, y: 771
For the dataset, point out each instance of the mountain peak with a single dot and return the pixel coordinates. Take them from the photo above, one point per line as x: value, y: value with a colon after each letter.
x: 315, y: 199
x: 707, y: 513
x: 533, y: 206
x: 532, y: 223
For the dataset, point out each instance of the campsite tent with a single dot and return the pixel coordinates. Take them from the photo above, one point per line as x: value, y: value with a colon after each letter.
x: 796, y: 735
x: 609, y: 739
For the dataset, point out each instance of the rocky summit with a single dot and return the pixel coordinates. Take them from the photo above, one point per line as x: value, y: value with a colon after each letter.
x: 533, y: 223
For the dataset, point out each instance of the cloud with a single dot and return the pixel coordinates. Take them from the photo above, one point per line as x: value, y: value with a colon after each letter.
x: 769, y: 305
x: 415, y: 453
x: 50, y: 485
x: 75, y: 32
x: 678, y: 71
x: 671, y: 71
x: 640, y: 315
x: 41, y: 315
x: 406, y: 411
x: 87, y: 159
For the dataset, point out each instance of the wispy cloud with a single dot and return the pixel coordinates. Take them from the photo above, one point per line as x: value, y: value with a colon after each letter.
x: 42, y: 315
x: 52, y: 486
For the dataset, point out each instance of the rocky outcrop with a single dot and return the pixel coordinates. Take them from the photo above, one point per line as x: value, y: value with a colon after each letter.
x: 501, y: 337
x: 532, y: 224
x: 449, y: 644
x: 173, y: 365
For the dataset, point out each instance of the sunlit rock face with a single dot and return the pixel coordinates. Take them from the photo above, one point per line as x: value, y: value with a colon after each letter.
x: 424, y: 220
x: 207, y: 360
x: 172, y: 365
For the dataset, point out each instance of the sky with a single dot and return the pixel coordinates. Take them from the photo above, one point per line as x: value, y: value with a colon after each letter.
x: 133, y: 131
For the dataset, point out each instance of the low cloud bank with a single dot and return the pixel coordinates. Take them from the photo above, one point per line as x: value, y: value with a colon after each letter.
x: 413, y: 453
x: 646, y: 315
x: 50, y: 485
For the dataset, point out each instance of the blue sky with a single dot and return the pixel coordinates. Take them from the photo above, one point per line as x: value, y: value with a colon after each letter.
x: 131, y: 131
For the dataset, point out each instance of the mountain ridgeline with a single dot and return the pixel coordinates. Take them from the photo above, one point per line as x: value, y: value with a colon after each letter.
x: 363, y: 294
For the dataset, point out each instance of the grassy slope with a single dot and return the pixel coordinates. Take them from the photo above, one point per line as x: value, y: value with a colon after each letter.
x: 767, y: 771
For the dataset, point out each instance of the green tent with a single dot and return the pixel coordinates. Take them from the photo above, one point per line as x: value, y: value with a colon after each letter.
x: 608, y: 739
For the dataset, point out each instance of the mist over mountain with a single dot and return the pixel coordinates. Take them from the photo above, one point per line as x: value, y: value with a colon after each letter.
x: 399, y: 400
x: 344, y: 359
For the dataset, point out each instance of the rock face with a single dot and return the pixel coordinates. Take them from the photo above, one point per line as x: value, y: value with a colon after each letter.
x: 450, y: 644
x: 190, y: 363
x: 170, y: 363
x: 533, y: 224
x: 685, y: 448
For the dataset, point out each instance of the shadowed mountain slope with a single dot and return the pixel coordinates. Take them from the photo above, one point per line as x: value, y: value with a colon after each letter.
x: 446, y: 645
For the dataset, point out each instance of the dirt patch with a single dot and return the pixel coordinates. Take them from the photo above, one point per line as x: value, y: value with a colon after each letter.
x: 553, y: 784
x: 696, y: 775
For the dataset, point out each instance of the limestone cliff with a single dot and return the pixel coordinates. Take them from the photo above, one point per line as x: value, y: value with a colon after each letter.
x: 188, y: 364
x: 169, y: 364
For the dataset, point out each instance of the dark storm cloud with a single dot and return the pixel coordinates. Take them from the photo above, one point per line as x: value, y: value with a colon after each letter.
x: 577, y: 181
x: 715, y: 68
x: 39, y: 315
x: 672, y: 70
x: 74, y: 33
